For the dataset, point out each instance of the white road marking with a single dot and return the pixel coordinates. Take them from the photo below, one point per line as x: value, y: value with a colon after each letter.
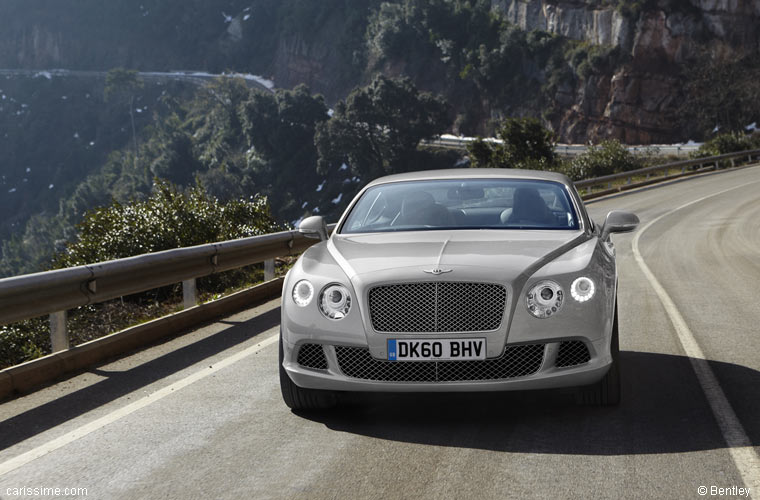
x: 740, y: 446
x: 86, y: 429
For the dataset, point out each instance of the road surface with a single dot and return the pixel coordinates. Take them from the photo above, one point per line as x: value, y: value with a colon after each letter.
x: 200, y: 416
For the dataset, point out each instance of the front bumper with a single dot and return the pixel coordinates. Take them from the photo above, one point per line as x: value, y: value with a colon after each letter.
x: 543, y: 372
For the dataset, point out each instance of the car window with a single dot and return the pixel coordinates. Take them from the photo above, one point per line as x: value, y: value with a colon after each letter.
x: 458, y: 204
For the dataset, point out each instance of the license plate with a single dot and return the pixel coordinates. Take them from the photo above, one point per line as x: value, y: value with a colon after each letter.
x: 436, y: 349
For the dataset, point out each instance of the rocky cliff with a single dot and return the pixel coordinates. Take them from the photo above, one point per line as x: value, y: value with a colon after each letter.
x: 638, y: 101
x: 636, y: 97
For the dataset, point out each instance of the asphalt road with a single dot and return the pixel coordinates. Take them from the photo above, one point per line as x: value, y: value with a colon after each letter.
x: 200, y: 416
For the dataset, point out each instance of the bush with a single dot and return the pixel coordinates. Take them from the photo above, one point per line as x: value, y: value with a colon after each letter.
x: 728, y: 143
x: 23, y: 341
x: 168, y: 219
x: 607, y: 158
x: 526, y: 144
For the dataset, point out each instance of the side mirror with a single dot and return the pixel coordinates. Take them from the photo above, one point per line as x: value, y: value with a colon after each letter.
x: 314, y: 227
x: 618, y: 221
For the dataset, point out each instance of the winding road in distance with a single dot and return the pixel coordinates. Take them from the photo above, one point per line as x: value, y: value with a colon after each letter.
x: 196, y: 77
x: 200, y: 416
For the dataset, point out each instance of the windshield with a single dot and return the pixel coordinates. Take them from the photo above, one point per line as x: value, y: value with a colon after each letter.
x: 457, y: 204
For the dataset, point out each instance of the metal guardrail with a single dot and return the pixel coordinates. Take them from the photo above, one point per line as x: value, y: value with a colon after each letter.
x: 454, y: 142
x: 680, y: 167
x: 54, y: 292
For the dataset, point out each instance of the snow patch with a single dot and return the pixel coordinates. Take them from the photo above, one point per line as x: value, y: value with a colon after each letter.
x: 50, y: 186
x: 343, y: 167
x: 227, y: 19
x: 330, y: 112
x: 76, y: 135
x: 304, y: 204
x: 751, y: 127
x: 246, y: 17
x: 315, y: 210
x: 64, y: 97
x: 92, y: 143
x: 12, y: 190
x: 28, y: 170
x: 335, y: 201
x: 319, y: 188
x: 43, y: 74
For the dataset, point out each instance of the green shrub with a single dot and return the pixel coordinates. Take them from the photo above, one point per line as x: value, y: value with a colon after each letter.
x: 607, y: 158
x: 728, y: 143
x: 526, y: 144
x: 23, y: 341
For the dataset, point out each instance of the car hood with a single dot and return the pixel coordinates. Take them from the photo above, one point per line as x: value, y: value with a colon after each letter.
x: 490, y: 255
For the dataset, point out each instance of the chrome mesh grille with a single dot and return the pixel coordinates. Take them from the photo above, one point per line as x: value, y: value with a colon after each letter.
x: 312, y: 356
x: 515, y: 361
x: 430, y: 307
x: 572, y: 353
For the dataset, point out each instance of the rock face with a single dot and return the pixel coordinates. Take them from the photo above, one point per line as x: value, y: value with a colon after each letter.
x: 38, y: 47
x: 577, y: 20
x: 638, y: 103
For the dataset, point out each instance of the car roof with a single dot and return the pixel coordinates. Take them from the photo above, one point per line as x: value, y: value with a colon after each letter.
x: 474, y: 173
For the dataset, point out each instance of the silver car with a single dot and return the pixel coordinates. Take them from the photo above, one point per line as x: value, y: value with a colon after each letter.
x: 455, y: 280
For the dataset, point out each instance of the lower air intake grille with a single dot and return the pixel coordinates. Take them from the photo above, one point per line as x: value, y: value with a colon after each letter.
x: 572, y: 353
x: 516, y: 361
x: 312, y: 356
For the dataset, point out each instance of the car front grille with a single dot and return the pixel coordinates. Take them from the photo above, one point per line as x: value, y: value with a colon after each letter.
x: 515, y: 361
x: 572, y: 353
x: 432, y: 307
x: 312, y: 356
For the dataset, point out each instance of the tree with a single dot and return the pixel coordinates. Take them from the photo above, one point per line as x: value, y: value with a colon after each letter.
x: 122, y: 86
x: 525, y: 144
x: 377, y: 129
x: 280, y: 130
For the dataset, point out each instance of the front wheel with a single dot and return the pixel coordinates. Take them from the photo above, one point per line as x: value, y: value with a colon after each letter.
x: 298, y: 398
x: 606, y: 392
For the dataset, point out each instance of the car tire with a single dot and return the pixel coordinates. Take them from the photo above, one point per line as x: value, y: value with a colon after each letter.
x: 298, y: 398
x: 606, y: 392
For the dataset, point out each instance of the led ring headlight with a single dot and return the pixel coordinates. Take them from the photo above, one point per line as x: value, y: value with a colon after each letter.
x: 545, y: 299
x: 335, y: 301
x: 303, y: 292
x: 582, y: 289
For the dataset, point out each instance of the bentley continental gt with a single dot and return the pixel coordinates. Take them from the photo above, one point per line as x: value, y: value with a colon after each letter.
x: 455, y: 280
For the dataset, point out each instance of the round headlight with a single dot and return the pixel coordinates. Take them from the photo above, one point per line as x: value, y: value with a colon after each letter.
x: 545, y: 299
x: 335, y: 301
x: 303, y: 292
x: 582, y: 289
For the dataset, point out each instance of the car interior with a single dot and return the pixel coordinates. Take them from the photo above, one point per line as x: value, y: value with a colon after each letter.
x: 458, y: 205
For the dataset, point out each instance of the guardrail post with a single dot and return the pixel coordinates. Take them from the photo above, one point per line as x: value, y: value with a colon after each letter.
x: 268, y: 269
x: 733, y: 164
x: 59, y: 334
x: 189, y: 294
